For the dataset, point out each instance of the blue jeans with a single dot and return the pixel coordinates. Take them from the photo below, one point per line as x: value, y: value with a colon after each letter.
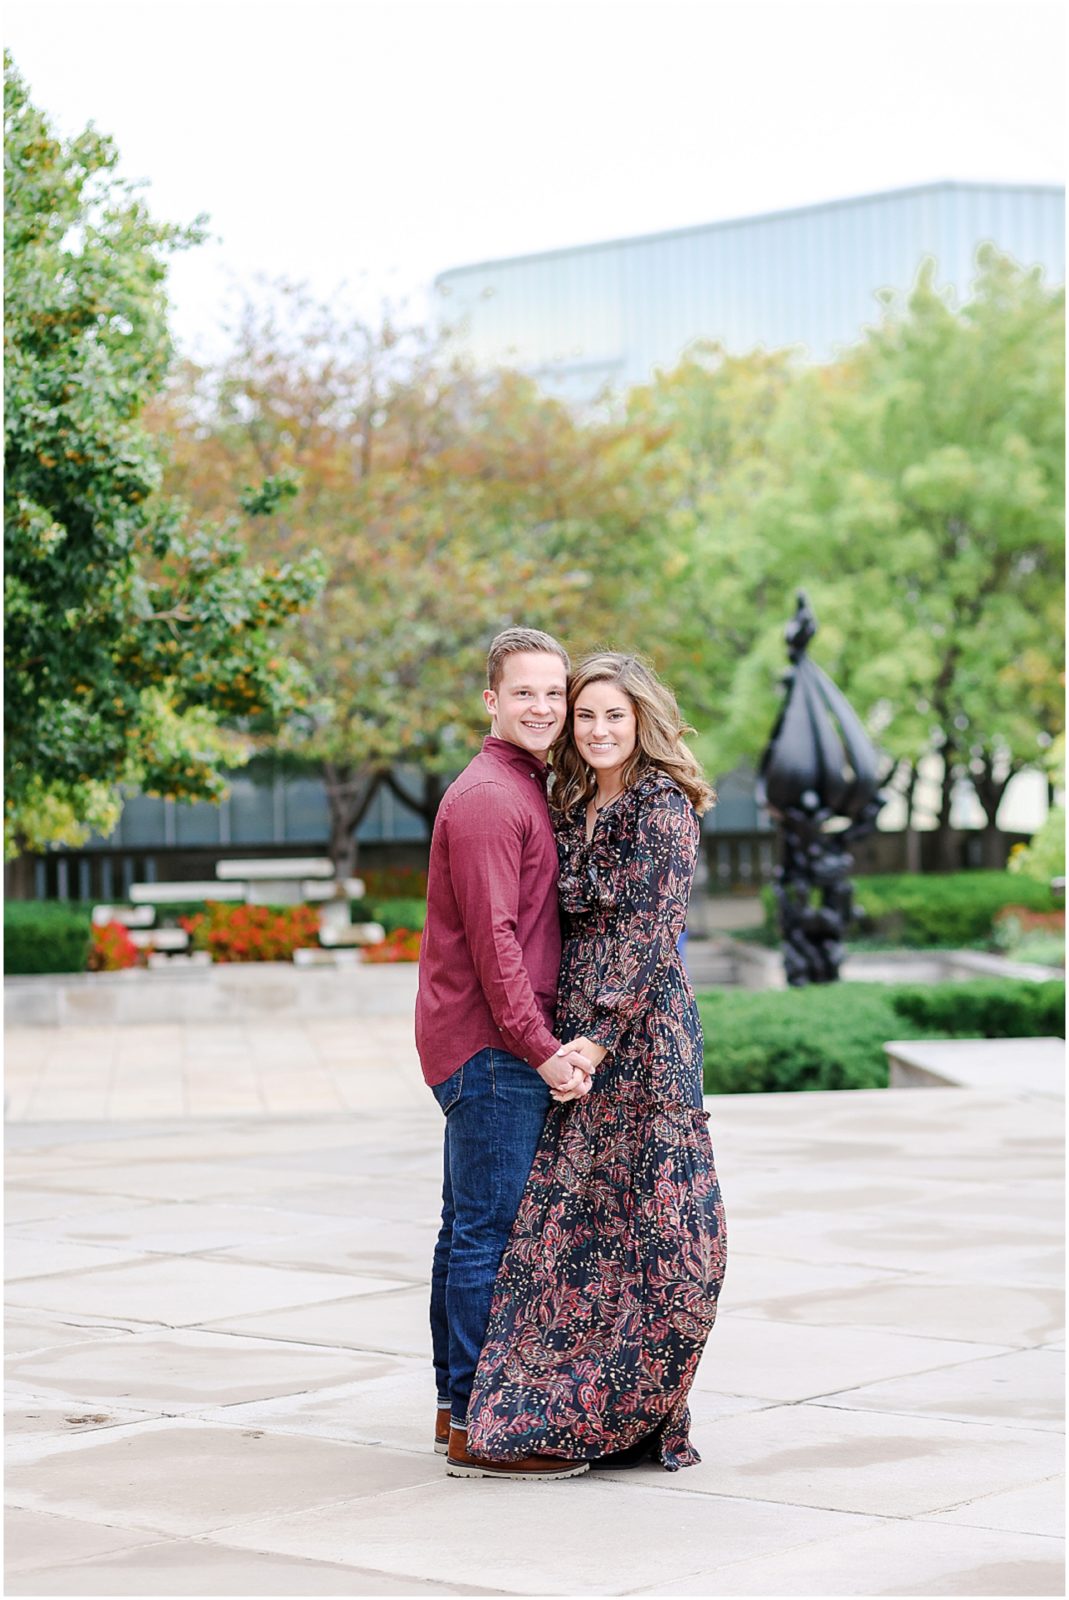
x: 495, y: 1106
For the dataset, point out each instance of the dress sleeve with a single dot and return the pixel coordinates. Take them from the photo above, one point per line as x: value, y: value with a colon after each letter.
x: 485, y: 867
x: 655, y: 893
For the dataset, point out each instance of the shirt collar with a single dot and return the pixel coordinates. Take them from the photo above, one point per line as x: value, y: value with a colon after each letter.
x: 513, y: 756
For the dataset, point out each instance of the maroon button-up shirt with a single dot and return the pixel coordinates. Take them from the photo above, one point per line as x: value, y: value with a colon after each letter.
x: 490, y: 955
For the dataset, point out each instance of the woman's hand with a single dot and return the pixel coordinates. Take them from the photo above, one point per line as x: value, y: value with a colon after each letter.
x: 594, y: 1053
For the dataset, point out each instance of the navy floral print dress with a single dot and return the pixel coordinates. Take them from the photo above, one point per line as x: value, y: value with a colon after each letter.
x: 608, y: 1288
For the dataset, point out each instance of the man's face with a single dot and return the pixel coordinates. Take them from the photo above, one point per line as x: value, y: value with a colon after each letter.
x: 529, y: 705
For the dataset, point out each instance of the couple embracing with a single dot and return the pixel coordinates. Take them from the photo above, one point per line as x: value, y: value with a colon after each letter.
x: 582, y: 1241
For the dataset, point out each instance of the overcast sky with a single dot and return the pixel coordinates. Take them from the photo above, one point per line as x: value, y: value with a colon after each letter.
x: 376, y: 144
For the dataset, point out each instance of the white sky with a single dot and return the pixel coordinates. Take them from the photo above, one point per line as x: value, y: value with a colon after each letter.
x: 375, y: 144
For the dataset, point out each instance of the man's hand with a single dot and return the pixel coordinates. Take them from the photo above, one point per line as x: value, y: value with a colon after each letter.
x: 567, y: 1073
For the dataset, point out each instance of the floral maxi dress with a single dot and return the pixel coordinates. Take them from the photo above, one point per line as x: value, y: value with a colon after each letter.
x: 607, y: 1291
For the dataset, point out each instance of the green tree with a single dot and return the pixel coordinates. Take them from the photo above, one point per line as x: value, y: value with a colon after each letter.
x: 136, y: 643
x: 915, y: 488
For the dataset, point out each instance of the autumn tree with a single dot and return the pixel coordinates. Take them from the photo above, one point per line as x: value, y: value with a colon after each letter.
x: 136, y: 640
x: 449, y: 505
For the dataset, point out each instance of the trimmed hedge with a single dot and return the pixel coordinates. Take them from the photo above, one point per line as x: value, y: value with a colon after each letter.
x: 831, y: 1036
x: 45, y: 936
x: 929, y: 911
x: 985, y: 1009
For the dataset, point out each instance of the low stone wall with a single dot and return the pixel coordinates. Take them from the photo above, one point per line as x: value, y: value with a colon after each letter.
x: 1024, y: 1066
x: 254, y: 991
x: 757, y: 967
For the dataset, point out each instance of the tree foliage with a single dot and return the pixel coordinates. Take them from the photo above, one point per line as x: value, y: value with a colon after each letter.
x: 133, y: 636
x: 448, y: 504
x: 915, y: 488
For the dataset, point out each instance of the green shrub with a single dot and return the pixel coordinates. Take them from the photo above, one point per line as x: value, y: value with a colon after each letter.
x: 394, y: 914
x: 45, y: 936
x: 1044, y: 857
x: 832, y: 1036
x: 929, y: 911
x: 825, y: 1037
x: 984, y: 1009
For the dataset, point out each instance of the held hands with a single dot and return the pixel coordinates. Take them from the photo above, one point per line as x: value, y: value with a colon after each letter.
x: 567, y: 1073
x: 586, y: 1057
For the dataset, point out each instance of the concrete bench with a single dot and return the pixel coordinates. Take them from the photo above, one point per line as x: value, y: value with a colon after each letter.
x: 163, y: 894
x: 161, y: 940
x: 281, y: 880
x: 267, y: 868
x: 1035, y: 1066
x: 129, y: 916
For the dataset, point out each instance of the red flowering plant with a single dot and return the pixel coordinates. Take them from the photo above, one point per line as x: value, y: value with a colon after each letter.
x: 111, y: 948
x: 252, y: 933
x: 1029, y: 921
x: 400, y: 945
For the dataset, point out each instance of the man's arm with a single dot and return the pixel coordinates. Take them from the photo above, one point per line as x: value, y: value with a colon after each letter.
x: 485, y: 863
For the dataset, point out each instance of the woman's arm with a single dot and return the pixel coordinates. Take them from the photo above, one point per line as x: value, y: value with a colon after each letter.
x: 655, y: 893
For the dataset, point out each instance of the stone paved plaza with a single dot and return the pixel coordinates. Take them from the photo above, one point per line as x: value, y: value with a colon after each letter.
x: 218, y: 1242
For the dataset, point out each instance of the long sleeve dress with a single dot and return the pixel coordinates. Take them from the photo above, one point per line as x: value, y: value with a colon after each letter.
x: 607, y: 1291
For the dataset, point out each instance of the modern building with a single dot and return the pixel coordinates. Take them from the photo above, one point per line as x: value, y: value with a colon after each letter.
x: 605, y: 315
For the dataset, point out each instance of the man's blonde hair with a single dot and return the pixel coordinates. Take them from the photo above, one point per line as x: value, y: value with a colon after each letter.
x: 515, y: 641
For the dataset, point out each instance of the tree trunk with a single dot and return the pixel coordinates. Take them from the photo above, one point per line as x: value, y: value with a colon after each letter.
x: 350, y: 791
x: 18, y: 876
x: 945, y: 849
x: 989, y: 791
x: 913, y: 838
x: 991, y: 848
x: 426, y: 804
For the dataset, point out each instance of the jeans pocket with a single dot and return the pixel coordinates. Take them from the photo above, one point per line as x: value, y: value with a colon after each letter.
x: 448, y: 1093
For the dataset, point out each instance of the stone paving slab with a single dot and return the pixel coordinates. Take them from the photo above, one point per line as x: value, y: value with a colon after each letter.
x: 183, y: 1476
x: 841, y: 1460
x: 594, y: 1540
x: 193, y: 1567
x: 894, y: 1559
x: 1023, y: 1388
x: 183, y: 1291
x: 36, y: 1539
x: 1037, y: 1508
x: 212, y: 1068
x: 877, y: 1407
x: 188, y: 1370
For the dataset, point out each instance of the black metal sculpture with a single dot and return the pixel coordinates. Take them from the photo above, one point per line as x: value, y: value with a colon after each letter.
x: 820, y: 779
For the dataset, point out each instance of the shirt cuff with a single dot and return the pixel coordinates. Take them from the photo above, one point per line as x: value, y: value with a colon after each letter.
x: 541, y: 1049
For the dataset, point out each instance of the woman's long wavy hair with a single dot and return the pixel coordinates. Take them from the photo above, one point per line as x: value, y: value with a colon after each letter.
x: 659, y: 745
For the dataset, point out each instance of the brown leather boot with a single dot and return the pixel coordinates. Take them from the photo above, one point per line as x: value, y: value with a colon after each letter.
x: 459, y: 1464
x: 441, y: 1431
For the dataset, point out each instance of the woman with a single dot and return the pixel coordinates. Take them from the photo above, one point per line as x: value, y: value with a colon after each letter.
x: 608, y: 1288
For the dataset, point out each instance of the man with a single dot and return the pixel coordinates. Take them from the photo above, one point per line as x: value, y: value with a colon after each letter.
x: 488, y: 971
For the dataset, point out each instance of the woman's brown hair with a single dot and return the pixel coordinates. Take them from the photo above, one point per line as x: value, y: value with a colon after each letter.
x: 661, y: 731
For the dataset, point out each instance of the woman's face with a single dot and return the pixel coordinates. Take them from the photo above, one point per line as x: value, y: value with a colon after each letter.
x: 605, y: 727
